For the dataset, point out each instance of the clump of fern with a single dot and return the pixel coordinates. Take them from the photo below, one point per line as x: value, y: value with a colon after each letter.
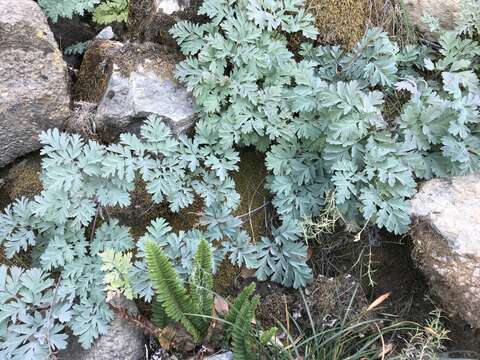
x: 239, y: 323
x: 192, y: 306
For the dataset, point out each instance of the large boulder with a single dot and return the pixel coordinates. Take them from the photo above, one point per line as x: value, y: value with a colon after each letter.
x: 150, y: 20
x: 446, y: 11
x: 131, y: 81
x: 446, y: 215
x: 33, y: 79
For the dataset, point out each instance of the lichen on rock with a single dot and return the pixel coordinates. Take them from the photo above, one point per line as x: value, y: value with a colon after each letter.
x: 446, y: 11
x: 33, y: 79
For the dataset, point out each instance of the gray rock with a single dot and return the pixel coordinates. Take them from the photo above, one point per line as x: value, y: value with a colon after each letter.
x: 123, y: 341
x: 446, y: 11
x: 106, y: 34
x: 224, y: 356
x: 446, y: 215
x: 130, y: 82
x: 33, y: 79
x: 150, y: 20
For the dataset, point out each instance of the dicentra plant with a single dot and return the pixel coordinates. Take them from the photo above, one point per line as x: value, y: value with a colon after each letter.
x: 67, y: 226
x: 319, y: 116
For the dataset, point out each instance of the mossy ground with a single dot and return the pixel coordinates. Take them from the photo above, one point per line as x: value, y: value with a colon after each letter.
x: 250, y: 183
x: 24, y: 178
x: 142, y: 211
x: 344, y: 22
x: 21, y: 179
x: 253, y: 210
x: 339, y: 21
x: 225, y: 278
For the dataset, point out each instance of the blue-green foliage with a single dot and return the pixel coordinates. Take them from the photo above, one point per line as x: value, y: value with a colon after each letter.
x: 55, y: 9
x: 104, y: 11
x: 82, y: 179
x: 468, y: 21
x: 34, y: 309
x: 77, y: 48
x: 321, y: 120
x: 238, y: 68
x: 319, y: 117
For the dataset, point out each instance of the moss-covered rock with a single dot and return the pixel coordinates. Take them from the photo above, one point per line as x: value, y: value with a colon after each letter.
x: 105, y: 56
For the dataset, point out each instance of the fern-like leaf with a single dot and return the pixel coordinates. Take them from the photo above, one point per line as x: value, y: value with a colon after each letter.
x: 239, y: 302
x: 242, y: 330
x: 201, y: 283
x: 170, y: 292
x: 159, y: 316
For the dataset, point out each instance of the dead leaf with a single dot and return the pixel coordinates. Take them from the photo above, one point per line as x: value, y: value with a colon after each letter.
x: 309, y: 253
x: 386, y: 350
x: 221, y: 305
x: 378, y: 301
x: 246, y: 273
x: 431, y: 331
x: 167, y: 335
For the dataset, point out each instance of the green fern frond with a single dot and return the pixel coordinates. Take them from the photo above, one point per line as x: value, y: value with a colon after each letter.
x: 239, y: 323
x: 201, y: 282
x: 242, y: 330
x: 170, y: 292
x: 239, y: 302
x: 159, y: 316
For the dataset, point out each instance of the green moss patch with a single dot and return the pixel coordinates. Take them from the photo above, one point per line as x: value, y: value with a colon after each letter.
x: 23, y: 179
x: 339, y: 21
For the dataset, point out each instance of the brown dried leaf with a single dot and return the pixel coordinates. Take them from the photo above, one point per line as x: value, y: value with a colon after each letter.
x: 247, y: 273
x: 221, y: 305
x: 378, y: 301
x: 309, y: 253
x: 386, y: 350
x: 167, y: 335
